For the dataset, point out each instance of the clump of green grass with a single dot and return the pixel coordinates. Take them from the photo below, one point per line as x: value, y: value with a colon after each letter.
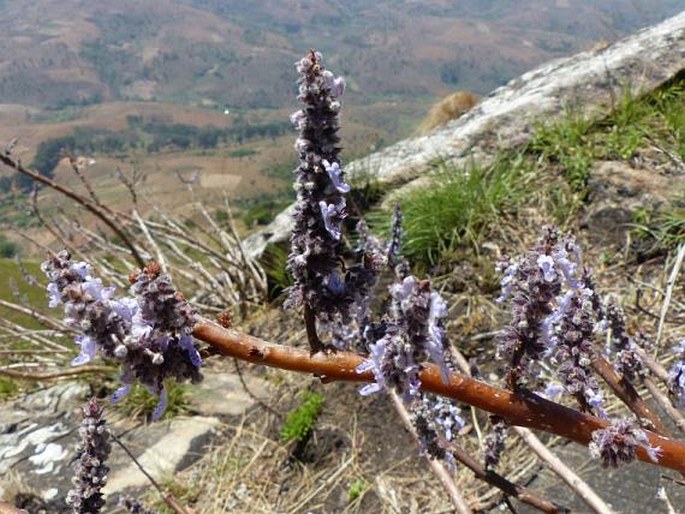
x: 300, y: 422
x: 274, y: 261
x: 576, y: 141
x: 568, y: 143
x: 661, y: 229
x: 461, y: 206
x: 8, y: 388
x: 8, y: 249
x: 141, y: 403
x: 356, y: 489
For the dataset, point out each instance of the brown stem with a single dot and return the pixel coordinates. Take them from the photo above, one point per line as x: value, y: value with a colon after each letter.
x: 519, y: 492
x: 527, y: 410
x: 628, y: 395
x: 310, y: 324
x: 666, y: 404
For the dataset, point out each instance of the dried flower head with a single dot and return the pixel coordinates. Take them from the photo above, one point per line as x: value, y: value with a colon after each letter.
x: 91, y: 468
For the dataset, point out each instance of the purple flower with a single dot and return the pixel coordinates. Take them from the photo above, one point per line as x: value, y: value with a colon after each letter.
x: 332, y: 215
x: 676, y: 375
x: 373, y: 363
x: 546, y: 264
x: 161, y: 406
x: 120, y: 393
x: 334, y: 172
x: 335, y: 85
x: 88, y: 350
x: 55, y: 295
x: 619, y: 442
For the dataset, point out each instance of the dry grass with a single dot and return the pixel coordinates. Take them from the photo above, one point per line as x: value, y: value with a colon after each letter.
x: 452, y: 107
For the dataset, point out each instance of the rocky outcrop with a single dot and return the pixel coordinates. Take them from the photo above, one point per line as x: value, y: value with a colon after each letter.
x: 39, y: 436
x: 589, y: 81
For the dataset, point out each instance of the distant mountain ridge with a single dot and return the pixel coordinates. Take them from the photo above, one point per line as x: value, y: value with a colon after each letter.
x: 228, y: 53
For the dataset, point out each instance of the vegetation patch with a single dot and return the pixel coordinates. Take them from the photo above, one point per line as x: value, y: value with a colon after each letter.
x: 141, y: 403
x: 300, y: 422
x: 576, y: 142
x: 462, y: 206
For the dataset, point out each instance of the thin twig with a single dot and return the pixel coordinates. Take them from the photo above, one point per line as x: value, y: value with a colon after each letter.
x: 55, y: 375
x: 254, y: 397
x: 168, y: 498
x: 85, y: 202
x: 461, y: 505
x: 669, y: 292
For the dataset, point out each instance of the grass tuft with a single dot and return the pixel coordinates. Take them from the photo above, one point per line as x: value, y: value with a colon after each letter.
x: 300, y: 422
x: 461, y: 206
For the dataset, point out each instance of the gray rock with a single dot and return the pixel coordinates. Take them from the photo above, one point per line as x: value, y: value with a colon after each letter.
x: 39, y: 436
x: 588, y: 81
x: 162, y: 449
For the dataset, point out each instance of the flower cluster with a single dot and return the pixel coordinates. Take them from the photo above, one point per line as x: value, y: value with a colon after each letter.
x: 148, y: 333
x: 320, y: 184
x: 412, y: 334
x: 676, y: 375
x: 437, y: 422
x: 555, y: 313
x: 619, y: 442
x: 91, y: 469
x: 495, y: 442
x: 621, y: 347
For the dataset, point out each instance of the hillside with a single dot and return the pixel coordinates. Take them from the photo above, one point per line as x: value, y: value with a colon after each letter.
x: 238, y: 54
x: 593, y: 143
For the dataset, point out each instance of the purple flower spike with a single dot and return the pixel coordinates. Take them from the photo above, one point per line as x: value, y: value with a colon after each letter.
x: 91, y: 468
x: 148, y: 333
x: 320, y: 210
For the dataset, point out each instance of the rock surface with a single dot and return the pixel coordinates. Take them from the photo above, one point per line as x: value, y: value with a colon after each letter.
x: 39, y: 435
x: 589, y: 81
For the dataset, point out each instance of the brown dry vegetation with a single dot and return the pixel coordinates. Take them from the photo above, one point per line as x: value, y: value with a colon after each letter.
x: 452, y: 107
